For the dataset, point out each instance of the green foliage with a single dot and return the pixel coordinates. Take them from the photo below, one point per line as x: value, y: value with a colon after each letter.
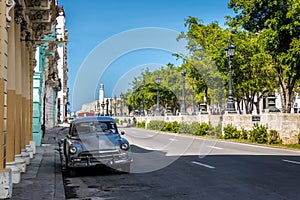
x: 141, y: 124
x: 184, y: 128
x: 117, y: 121
x: 259, y: 134
x: 203, y: 129
x: 171, y: 127
x: 273, y: 137
x: 156, y: 125
x: 277, y: 26
x: 145, y: 88
x: 194, y: 128
x: 253, y: 71
x: 231, y: 132
x: 244, y: 134
x: 215, y: 131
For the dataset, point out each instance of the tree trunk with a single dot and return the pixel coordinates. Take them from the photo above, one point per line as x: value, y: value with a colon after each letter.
x: 257, y: 107
x: 285, y: 100
x: 285, y: 92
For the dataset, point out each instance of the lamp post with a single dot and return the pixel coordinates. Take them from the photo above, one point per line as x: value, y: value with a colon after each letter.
x: 157, y: 81
x: 107, y: 107
x: 143, y: 100
x: 183, y: 105
x: 115, y: 107
x: 102, y: 105
x: 229, y: 50
x: 121, y: 107
x: 98, y: 108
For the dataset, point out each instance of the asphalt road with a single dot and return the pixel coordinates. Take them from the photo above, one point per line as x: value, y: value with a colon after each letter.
x: 172, y: 166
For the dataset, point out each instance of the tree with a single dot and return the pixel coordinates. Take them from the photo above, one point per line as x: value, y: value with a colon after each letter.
x: 144, y: 86
x: 253, y: 75
x: 277, y: 24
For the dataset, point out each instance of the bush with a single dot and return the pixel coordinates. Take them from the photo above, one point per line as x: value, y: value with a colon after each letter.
x: 273, y: 137
x: 171, y: 127
x: 174, y: 127
x: 215, y: 131
x: 194, y: 128
x: 231, y: 132
x: 156, y: 125
x: 141, y: 124
x: 259, y: 134
x: 244, y: 134
x: 184, y: 128
x: 203, y: 129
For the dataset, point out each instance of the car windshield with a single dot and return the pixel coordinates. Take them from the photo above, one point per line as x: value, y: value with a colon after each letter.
x: 95, y: 126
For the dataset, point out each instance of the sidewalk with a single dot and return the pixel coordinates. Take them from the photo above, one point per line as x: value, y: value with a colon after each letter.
x: 43, y: 178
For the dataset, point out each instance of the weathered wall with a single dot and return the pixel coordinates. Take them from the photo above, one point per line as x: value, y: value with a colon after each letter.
x: 287, y: 125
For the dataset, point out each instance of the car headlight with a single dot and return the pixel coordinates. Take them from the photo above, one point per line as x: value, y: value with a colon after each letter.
x: 73, y: 149
x: 124, y: 146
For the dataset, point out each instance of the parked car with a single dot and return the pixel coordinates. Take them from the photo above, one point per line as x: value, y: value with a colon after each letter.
x: 94, y: 141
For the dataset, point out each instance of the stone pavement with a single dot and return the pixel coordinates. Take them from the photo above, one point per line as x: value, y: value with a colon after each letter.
x: 43, y: 178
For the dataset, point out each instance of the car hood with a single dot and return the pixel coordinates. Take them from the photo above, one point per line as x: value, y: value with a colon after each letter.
x: 100, y: 141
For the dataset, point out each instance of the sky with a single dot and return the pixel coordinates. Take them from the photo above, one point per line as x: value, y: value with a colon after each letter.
x: 113, y: 41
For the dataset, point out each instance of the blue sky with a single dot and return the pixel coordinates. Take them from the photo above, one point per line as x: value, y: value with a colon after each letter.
x: 92, y: 23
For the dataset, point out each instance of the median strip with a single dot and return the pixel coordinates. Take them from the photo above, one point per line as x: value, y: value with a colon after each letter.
x: 291, y: 161
x: 204, y: 165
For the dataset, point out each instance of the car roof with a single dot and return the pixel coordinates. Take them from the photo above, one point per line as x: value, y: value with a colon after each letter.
x: 94, y: 118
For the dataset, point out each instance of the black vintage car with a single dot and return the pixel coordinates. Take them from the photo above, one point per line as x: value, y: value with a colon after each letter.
x: 94, y: 141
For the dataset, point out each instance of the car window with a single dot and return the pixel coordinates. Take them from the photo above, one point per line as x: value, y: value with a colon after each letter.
x: 94, y: 126
x: 82, y: 128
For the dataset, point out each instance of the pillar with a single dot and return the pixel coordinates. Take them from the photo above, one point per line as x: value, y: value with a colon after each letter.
x: 24, y: 66
x: 18, y: 82
x: 5, y: 173
x: 11, y: 105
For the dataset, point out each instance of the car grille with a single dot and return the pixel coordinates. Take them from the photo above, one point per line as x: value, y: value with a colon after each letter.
x: 98, y: 154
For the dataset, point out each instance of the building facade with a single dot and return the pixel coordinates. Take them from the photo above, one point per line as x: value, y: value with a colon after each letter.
x: 50, y: 91
x: 23, y: 25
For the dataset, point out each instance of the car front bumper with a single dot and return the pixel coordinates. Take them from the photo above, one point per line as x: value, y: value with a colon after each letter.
x: 89, y: 160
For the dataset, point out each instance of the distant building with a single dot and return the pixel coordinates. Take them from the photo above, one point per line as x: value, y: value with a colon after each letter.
x: 112, y: 106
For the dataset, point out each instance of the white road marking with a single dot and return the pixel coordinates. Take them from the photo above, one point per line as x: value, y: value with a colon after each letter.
x: 219, y: 148
x: 173, y: 139
x: 149, y: 148
x: 291, y: 161
x: 204, y: 165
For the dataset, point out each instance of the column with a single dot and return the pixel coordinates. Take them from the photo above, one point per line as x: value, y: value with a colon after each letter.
x: 24, y: 66
x: 11, y: 105
x: 5, y: 173
x: 18, y: 75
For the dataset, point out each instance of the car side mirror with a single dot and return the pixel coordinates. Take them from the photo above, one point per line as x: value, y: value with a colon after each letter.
x: 122, y: 132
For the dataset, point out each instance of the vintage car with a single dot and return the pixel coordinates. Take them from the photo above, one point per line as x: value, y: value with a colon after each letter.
x: 94, y: 141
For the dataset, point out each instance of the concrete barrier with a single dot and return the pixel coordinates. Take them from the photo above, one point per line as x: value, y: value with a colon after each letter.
x: 286, y: 124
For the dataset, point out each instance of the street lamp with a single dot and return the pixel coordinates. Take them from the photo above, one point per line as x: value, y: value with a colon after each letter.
x: 102, y: 105
x: 98, y: 108
x: 183, y: 105
x: 143, y: 99
x: 229, y: 50
x: 121, y: 107
x: 157, y: 80
x: 107, y: 107
x: 115, y: 107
